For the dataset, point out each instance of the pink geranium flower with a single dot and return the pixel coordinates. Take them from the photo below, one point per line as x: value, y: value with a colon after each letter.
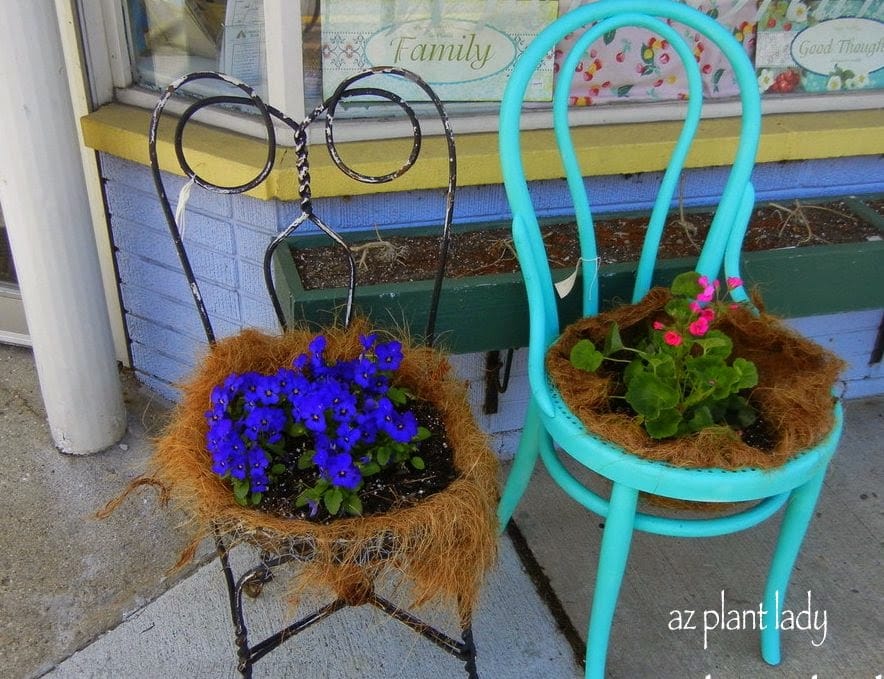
x: 734, y: 282
x: 707, y: 295
x: 658, y: 325
x: 699, y: 327
x: 672, y: 338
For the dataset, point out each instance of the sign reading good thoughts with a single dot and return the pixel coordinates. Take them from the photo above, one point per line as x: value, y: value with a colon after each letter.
x: 463, y: 49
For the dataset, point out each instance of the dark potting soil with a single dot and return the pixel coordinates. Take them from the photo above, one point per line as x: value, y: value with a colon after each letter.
x: 395, y: 487
x: 390, y: 258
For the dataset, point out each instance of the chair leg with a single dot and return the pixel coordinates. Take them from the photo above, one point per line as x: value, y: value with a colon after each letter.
x: 523, y: 466
x: 796, y: 519
x: 613, y: 556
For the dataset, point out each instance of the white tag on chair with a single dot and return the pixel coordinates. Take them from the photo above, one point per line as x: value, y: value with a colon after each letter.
x: 566, y: 285
x: 181, y: 206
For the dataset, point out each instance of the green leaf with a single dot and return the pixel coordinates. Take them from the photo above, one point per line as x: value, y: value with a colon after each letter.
x: 332, y: 500
x: 635, y: 367
x: 700, y: 419
x: 277, y: 448
x: 679, y: 309
x: 418, y: 462
x: 584, y: 356
x: 747, y: 373
x: 665, y: 424
x: 398, y: 395
x: 716, y: 344
x: 623, y: 90
x: 423, y: 434
x: 277, y: 469
x: 686, y: 285
x: 663, y: 366
x: 608, y: 37
x: 296, y: 429
x: 240, y: 489
x: 352, y: 504
x: 308, y: 495
x: 722, y: 379
x: 613, y: 342
x: 369, y: 468
x: 649, y: 395
x: 383, y: 456
x: 305, y: 461
x: 740, y: 414
x: 256, y: 498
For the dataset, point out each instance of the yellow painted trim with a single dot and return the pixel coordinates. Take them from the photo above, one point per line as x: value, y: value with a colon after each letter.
x: 604, y: 149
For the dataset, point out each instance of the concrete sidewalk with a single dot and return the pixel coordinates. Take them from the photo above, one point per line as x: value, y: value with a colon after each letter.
x: 187, y: 633
x: 87, y: 598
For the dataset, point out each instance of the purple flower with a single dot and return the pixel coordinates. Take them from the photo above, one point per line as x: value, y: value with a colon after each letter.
x: 312, y: 412
x: 317, y: 345
x: 389, y: 355
x: 341, y: 471
x: 264, y: 420
x: 403, y: 428
x: 364, y: 372
x: 340, y: 409
x: 348, y: 435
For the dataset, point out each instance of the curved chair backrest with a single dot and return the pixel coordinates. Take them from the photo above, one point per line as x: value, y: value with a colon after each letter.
x: 327, y: 110
x: 732, y: 214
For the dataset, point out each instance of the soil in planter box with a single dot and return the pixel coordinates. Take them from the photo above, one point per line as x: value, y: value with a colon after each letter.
x: 395, y: 487
x: 393, y: 259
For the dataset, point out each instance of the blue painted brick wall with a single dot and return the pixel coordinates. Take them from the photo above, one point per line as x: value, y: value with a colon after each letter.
x: 226, y: 237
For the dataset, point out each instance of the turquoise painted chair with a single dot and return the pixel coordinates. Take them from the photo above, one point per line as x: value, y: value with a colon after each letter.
x: 550, y: 429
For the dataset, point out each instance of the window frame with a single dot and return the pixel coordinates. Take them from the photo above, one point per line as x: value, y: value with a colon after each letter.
x: 106, y: 52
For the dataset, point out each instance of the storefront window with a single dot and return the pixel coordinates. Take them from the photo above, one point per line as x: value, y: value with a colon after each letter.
x: 169, y: 38
x: 810, y: 55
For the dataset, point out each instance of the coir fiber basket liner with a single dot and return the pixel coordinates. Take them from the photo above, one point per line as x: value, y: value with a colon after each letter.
x: 443, y: 544
x: 793, y: 395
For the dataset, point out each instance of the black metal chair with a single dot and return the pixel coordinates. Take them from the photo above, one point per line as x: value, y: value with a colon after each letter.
x: 251, y: 581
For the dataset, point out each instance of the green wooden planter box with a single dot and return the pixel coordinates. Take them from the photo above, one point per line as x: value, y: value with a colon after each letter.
x: 485, y: 313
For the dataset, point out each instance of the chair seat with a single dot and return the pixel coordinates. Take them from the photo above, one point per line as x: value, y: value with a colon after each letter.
x: 685, y: 483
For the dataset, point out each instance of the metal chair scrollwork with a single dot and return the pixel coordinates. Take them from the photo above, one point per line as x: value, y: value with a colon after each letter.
x: 251, y: 581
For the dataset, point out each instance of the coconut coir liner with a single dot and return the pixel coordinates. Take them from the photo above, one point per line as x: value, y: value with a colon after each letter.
x: 793, y: 395
x: 444, y: 544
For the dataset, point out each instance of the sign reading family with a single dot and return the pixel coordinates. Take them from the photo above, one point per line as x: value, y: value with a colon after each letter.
x: 464, y: 49
x: 820, y: 46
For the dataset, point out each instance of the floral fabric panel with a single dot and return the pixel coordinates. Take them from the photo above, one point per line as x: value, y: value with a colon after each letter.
x: 820, y: 45
x: 635, y: 64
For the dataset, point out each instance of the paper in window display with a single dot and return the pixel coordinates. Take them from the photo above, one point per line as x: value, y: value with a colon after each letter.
x: 635, y: 64
x: 242, y: 48
x: 820, y: 45
x: 174, y: 37
x: 463, y: 49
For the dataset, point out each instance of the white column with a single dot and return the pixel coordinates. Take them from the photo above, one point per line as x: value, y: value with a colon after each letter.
x: 43, y: 192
